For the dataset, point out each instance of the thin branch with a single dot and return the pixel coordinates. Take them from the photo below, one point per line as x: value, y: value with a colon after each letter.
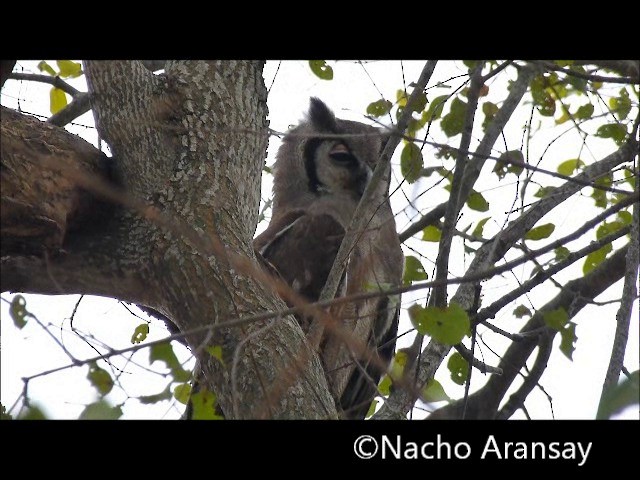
x: 430, y: 218
x: 517, y: 399
x: 80, y: 105
x: 540, y: 277
x: 588, y: 76
x: 479, y: 364
x: 458, y: 196
x: 56, y: 81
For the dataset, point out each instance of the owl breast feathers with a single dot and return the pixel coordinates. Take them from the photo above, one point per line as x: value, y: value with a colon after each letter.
x: 320, y: 174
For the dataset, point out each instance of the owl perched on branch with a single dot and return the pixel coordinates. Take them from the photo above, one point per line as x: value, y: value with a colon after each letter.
x: 320, y: 174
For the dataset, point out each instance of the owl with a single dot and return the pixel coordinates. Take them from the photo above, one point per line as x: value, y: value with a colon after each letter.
x: 321, y: 171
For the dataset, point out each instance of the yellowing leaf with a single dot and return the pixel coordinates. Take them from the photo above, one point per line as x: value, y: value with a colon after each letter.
x: 384, y: 387
x: 45, y: 67
x: 215, y: 352
x: 372, y: 409
x: 431, y: 233
x: 69, y: 69
x: 541, y: 232
x: 204, y: 406
x: 58, y: 100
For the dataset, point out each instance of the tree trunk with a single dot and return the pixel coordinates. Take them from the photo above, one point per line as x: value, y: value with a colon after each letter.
x: 188, y: 149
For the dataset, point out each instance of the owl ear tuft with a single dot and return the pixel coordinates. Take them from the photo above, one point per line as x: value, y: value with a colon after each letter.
x: 321, y: 116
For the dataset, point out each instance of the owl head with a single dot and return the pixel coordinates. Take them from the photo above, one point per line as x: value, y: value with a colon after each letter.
x: 324, y: 157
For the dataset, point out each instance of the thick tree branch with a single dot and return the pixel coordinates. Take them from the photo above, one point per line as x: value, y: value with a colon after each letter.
x: 629, y: 68
x: 587, y: 76
x: 629, y: 294
x: 400, y: 401
x: 484, y: 403
x: 6, y: 67
x: 80, y: 105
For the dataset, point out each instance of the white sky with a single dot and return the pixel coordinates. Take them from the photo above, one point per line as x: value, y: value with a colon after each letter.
x: 574, y: 386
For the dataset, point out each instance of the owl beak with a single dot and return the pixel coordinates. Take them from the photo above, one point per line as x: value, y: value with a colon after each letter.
x: 339, y: 148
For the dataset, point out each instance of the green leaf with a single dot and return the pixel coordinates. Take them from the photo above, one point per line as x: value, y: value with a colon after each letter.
x: 69, y: 69
x: 620, y: 396
x: 164, y: 352
x: 435, y: 108
x: 477, y: 202
x: 569, y: 166
x: 372, y: 409
x: 433, y: 392
x: 155, y: 398
x: 615, y: 131
x: 18, y: 311
x: 431, y: 233
x: 100, y: 379
x: 204, y: 406
x: 541, y: 232
x: 379, y: 108
x: 321, y: 69
x: 140, y: 333
x: 401, y: 98
x: 420, y: 102
x: 556, y: 319
x: 479, y: 230
x: 101, y: 410
x: 568, y: 334
x: 594, y: 259
x: 621, y: 105
x: 446, y: 325
x: 541, y: 97
x: 600, y: 196
x: 453, y: 122
x: 58, y: 100
x: 45, y: 67
x: 608, y: 228
x: 413, y: 270
x: 489, y: 109
x: 584, y: 112
x: 625, y: 217
x: 384, y: 387
x: 33, y: 413
x: 459, y: 368
x: 411, y: 162
x: 216, y: 352
x: 520, y: 311
x: 182, y: 392
x: 505, y: 163
x: 562, y: 253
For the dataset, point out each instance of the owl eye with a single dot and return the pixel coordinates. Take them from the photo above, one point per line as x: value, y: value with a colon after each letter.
x: 341, y: 154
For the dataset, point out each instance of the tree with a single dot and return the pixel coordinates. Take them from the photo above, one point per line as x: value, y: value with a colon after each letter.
x: 167, y: 223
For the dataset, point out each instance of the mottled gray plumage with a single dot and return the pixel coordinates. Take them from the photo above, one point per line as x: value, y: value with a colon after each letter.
x: 321, y: 171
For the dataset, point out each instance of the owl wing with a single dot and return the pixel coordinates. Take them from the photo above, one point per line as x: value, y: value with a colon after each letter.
x: 302, y: 247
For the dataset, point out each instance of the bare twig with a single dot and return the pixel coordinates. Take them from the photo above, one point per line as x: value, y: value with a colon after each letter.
x: 588, y: 76
x: 56, y: 81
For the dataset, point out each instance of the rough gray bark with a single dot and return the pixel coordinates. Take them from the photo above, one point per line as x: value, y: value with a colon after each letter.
x: 188, y: 145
